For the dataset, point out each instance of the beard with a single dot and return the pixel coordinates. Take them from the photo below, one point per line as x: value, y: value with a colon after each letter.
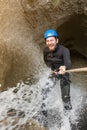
x: 52, y: 47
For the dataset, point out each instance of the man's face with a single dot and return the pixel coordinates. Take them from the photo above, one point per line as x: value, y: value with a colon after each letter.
x: 51, y: 43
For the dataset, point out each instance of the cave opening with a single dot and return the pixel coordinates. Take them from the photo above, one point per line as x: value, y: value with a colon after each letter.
x: 73, y: 34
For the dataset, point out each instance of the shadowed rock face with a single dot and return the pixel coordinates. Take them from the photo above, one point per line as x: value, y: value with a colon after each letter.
x: 74, y: 35
x: 22, y: 24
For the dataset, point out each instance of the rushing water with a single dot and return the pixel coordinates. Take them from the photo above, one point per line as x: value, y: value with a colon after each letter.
x: 28, y: 99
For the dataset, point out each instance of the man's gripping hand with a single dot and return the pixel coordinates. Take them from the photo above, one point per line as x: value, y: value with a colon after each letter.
x: 62, y: 69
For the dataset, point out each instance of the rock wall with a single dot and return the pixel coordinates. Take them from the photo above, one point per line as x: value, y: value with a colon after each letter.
x: 18, y: 53
x: 22, y: 24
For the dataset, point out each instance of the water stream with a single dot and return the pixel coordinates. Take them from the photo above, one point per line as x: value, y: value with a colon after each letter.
x: 24, y: 102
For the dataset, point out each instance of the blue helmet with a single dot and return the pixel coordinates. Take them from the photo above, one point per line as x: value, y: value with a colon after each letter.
x: 50, y: 33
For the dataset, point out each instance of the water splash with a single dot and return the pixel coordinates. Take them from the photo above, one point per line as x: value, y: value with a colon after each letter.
x: 29, y: 99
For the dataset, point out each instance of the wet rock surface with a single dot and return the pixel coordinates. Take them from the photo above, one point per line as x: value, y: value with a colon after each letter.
x: 29, y: 125
x: 17, y: 61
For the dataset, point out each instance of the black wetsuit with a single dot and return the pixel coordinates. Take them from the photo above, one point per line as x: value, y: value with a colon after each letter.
x: 60, y: 56
x: 54, y: 59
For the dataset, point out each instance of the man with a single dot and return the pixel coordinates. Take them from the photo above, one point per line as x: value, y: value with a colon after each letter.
x: 57, y: 57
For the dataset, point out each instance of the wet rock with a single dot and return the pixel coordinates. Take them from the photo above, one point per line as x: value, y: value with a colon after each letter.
x: 11, y: 112
x: 20, y: 84
x: 18, y: 113
x: 32, y: 125
x: 16, y: 44
x: 21, y: 114
x: 15, y: 90
x: 30, y: 80
x: 15, y: 122
x: 4, y: 122
x: 29, y: 125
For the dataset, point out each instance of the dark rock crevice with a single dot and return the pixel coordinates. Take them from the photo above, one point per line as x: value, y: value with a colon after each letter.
x: 73, y: 34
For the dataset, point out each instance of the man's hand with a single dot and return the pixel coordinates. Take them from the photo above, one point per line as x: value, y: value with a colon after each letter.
x: 62, y: 70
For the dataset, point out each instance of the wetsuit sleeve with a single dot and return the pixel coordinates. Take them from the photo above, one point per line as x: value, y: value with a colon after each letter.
x: 66, y: 58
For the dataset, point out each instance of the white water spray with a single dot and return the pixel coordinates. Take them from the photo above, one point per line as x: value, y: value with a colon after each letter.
x: 29, y: 99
